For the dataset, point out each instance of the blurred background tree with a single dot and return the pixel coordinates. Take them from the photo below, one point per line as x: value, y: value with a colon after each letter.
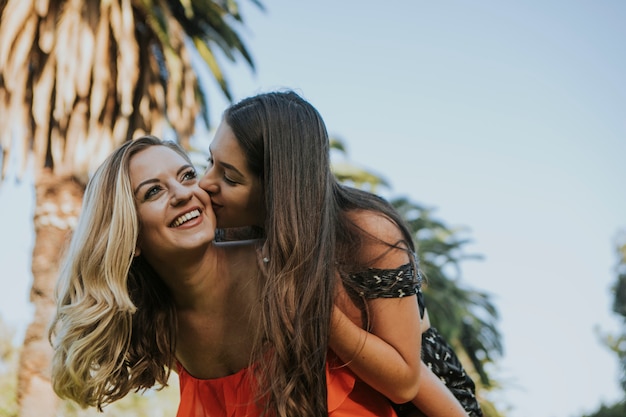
x: 8, y: 371
x: 78, y: 78
x: 466, y: 317
x: 617, y: 342
x: 615, y: 410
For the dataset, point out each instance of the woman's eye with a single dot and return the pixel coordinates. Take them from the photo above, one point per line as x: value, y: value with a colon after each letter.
x: 190, y: 175
x: 229, y: 181
x: 209, y: 161
x: 151, y: 192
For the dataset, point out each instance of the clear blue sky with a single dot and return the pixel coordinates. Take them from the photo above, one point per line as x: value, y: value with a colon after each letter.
x: 506, y: 117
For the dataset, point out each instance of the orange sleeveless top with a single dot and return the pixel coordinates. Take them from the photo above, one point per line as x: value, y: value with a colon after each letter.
x: 233, y: 395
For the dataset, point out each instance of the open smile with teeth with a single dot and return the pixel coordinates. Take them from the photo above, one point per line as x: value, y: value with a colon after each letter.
x: 185, y: 218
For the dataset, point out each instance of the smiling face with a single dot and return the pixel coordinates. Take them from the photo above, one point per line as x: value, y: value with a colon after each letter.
x: 174, y: 212
x: 236, y: 193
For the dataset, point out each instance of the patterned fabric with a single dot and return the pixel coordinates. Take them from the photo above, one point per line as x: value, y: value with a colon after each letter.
x: 437, y: 354
x: 389, y: 283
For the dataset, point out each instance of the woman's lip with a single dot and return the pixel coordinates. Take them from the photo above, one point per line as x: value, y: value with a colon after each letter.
x: 194, y: 209
x: 191, y: 223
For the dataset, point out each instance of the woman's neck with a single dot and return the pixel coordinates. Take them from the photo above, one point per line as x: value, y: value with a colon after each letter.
x: 218, y: 312
x: 190, y: 274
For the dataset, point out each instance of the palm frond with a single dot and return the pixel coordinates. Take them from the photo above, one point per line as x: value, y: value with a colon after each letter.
x: 338, y: 145
x: 358, y: 177
x: 464, y: 316
x: 105, y: 71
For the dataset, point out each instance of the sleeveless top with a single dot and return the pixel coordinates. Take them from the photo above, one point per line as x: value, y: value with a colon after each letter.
x: 348, y: 396
x: 234, y: 395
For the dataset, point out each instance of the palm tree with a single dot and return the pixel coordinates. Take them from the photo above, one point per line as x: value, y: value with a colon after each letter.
x: 78, y: 78
x: 347, y: 172
x: 465, y: 317
x: 462, y: 315
x: 8, y: 370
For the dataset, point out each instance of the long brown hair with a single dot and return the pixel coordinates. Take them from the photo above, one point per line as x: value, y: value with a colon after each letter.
x: 282, y: 135
x: 310, y: 238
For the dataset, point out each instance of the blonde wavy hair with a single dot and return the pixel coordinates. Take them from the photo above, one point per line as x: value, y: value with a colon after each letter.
x: 114, y: 328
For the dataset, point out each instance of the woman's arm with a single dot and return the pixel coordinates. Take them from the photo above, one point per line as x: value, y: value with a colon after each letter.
x: 434, y: 398
x: 388, y: 360
x: 388, y: 356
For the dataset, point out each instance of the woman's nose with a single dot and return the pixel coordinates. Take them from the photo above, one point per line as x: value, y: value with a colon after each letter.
x: 181, y: 194
x: 208, y: 183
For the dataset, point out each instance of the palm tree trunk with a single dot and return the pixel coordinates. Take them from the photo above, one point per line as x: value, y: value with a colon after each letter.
x: 57, y: 204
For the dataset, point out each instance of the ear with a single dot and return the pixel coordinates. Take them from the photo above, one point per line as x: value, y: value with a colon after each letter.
x: 137, y: 251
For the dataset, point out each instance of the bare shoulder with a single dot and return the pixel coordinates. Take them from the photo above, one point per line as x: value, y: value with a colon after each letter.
x: 383, y: 245
x: 377, y: 225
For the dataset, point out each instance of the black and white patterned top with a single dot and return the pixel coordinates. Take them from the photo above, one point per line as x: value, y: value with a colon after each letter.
x: 389, y: 283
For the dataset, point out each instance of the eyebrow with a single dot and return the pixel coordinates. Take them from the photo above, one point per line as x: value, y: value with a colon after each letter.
x: 228, y: 166
x: 156, y: 180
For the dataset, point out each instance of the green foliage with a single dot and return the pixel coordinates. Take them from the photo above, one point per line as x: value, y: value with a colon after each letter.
x: 357, y: 177
x: 348, y: 173
x: 618, y: 343
x: 619, y: 302
x: 465, y: 317
x: 615, y: 410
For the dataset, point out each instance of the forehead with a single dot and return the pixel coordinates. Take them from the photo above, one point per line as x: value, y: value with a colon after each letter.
x: 225, y: 146
x: 152, y: 161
